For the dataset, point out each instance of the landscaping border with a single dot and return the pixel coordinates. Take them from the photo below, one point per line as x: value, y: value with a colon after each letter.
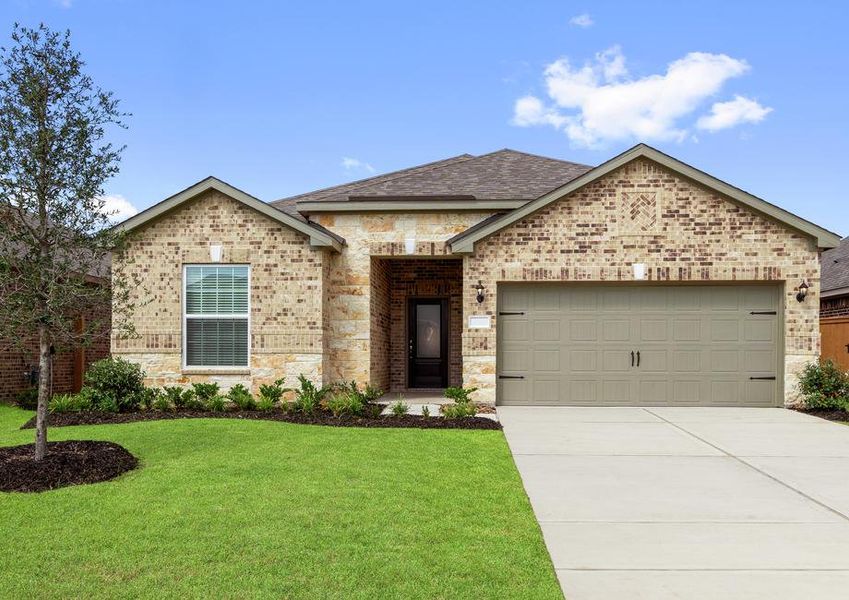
x: 385, y: 421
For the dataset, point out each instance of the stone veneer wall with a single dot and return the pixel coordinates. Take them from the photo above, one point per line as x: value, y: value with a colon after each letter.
x: 424, y: 278
x: 643, y: 213
x: 287, y: 325
x: 348, y: 284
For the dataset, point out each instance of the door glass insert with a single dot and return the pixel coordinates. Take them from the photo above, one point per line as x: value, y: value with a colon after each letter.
x: 428, y: 331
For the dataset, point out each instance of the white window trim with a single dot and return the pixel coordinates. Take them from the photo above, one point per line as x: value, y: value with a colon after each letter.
x: 211, y: 368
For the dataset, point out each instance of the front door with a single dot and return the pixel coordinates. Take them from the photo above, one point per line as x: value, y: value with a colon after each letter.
x: 428, y: 343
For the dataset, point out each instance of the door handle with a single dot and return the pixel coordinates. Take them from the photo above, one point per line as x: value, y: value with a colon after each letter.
x: 632, y: 358
x: 638, y: 358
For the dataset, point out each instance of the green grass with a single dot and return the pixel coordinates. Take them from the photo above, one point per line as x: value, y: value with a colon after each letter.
x: 227, y: 508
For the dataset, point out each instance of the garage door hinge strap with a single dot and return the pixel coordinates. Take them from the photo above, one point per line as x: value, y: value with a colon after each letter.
x: 511, y: 376
x: 772, y: 378
x: 763, y: 312
x: 501, y: 314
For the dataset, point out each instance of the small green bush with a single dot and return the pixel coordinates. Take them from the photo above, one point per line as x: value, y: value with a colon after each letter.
x: 191, y: 401
x: 308, y: 397
x: 460, y: 394
x: 399, y: 408
x: 63, y: 403
x: 205, y: 391
x: 425, y: 411
x: 175, y: 395
x: 162, y: 403
x: 345, y: 403
x: 27, y: 399
x: 217, y: 403
x: 272, y: 392
x: 147, y: 397
x: 459, y: 410
x: 824, y: 386
x: 241, y: 397
x: 264, y: 403
x: 117, y: 382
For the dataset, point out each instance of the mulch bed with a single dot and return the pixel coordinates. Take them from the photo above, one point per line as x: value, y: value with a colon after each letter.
x: 66, y: 463
x: 403, y: 421
x: 828, y: 414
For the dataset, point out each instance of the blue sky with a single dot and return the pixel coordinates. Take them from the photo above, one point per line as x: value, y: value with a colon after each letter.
x: 274, y: 96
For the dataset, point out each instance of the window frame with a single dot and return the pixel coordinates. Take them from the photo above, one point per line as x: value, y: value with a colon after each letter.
x: 185, y: 344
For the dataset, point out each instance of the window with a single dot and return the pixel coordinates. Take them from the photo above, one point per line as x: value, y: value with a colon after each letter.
x: 216, y: 316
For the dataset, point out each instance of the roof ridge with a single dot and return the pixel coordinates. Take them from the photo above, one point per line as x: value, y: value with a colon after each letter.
x: 551, y: 158
x: 391, y: 176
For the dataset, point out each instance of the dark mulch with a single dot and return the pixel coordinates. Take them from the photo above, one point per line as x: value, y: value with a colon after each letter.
x: 66, y: 463
x: 830, y: 414
x: 403, y: 421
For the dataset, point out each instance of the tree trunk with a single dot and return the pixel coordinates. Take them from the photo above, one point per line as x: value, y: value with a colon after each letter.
x: 45, y: 375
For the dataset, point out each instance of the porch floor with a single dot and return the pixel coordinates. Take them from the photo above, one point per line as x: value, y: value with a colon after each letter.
x: 416, y: 397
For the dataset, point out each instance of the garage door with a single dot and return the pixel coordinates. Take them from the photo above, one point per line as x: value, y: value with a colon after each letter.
x: 639, y: 345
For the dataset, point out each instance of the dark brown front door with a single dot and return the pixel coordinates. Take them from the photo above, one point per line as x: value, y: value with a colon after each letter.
x: 428, y: 343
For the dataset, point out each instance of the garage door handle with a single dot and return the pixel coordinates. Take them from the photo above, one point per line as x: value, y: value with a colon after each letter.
x: 632, y: 358
x: 511, y: 376
x: 772, y: 378
x: 763, y: 312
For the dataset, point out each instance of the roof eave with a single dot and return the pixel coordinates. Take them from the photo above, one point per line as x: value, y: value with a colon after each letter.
x: 464, y: 244
x: 317, y: 237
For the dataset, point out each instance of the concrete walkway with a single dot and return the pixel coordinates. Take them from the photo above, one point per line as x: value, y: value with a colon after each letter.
x: 695, y: 503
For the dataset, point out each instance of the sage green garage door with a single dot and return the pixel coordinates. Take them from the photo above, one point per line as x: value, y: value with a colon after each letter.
x: 638, y: 345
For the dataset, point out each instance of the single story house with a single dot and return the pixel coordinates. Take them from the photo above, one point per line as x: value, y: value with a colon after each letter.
x: 641, y: 281
x: 834, y: 304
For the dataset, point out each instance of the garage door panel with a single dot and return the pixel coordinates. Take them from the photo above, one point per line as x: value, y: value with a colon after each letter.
x: 698, y: 345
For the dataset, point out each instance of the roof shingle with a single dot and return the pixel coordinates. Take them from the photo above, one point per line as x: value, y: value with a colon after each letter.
x: 835, y: 267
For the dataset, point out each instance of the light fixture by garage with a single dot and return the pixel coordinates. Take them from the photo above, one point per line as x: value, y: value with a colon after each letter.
x: 802, y: 291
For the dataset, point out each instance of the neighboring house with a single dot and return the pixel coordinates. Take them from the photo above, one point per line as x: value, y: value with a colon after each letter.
x: 538, y: 281
x: 834, y: 305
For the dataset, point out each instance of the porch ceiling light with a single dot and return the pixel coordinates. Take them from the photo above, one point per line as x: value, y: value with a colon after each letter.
x: 802, y: 291
x: 479, y: 289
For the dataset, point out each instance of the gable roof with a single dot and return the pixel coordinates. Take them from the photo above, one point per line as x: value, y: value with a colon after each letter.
x: 835, y: 268
x: 465, y: 242
x: 319, y: 236
x: 504, y: 179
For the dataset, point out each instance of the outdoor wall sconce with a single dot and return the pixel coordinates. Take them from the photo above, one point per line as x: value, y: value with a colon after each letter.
x: 801, y: 291
x: 479, y: 289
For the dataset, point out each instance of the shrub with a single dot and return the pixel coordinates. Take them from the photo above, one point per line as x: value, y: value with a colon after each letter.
x: 117, y: 379
x: 147, y: 397
x: 824, y: 386
x: 459, y: 410
x: 175, y: 395
x: 460, y: 394
x: 399, y: 408
x: 425, y: 411
x: 241, y: 397
x: 191, y: 401
x: 216, y: 403
x: 271, y: 392
x: 62, y: 403
x: 264, y: 403
x: 308, y: 397
x: 162, y: 403
x: 346, y: 403
x: 27, y: 399
x: 205, y: 391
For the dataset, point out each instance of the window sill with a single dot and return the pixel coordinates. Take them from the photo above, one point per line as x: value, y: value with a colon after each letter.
x: 216, y: 371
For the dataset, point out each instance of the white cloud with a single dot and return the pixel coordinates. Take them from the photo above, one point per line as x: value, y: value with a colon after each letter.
x: 64, y: 3
x: 600, y: 102
x: 117, y: 208
x: 352, y: 164
x: 583, y: 20
x: 734, y: 112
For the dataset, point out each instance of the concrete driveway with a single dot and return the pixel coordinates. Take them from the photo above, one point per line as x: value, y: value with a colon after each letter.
x: 695, y: 503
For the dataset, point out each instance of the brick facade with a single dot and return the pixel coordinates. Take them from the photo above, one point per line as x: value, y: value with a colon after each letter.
x: 834, y: 307
x: 287, y: 292
x: 691, y: 234
x: 341, y: 316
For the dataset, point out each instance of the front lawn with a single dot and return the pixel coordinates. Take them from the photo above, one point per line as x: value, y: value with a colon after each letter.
x: 229, y: 508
